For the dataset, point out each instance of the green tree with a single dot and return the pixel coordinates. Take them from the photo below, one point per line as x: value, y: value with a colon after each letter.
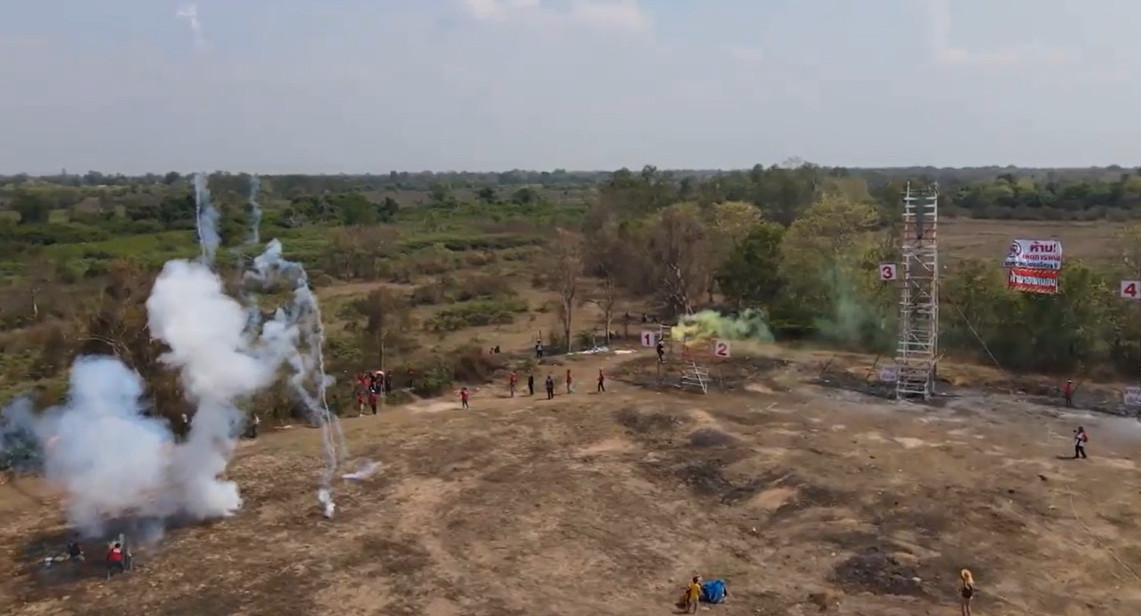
x: 751, y: 274
x: 32, y: 207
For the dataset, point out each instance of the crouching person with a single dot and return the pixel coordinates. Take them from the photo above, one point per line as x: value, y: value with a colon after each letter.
x: 115, y: 560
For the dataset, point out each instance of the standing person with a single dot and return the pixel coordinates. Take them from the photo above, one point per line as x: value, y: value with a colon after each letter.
x: 512, y: 381
x: 570, y: 387
x: 539, y: 349
x: 693, y: 595
x: 464, y: 395
x: 1068, y: 392
x: 1080, y: 440
x: 550, y: 388
x: 388, y: 383
x: 661, y: 349
x: 966, y: 591
x: 531, y: 384
x: 601, y: 381
x: 372, y: 395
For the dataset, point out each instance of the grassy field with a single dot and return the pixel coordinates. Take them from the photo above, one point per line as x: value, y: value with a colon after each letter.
x: 804, y: 499
x: 962, y: 238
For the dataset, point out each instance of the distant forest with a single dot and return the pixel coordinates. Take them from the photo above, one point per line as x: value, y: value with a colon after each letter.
x: 779, y: 191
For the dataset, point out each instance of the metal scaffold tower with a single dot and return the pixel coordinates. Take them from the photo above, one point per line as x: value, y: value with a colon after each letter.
x: 918, y: 347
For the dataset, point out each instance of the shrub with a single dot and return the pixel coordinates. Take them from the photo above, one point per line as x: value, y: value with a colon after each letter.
x: 476, y: 313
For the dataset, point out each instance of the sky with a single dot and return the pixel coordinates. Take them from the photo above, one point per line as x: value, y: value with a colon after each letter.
x: 354, y: 86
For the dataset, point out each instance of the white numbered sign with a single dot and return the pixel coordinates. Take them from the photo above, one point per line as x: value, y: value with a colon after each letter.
x: 649, y: 339
x: 887, y: 271
x: 1131, y: 289
x: 721, y: 349
x: 888, y: 373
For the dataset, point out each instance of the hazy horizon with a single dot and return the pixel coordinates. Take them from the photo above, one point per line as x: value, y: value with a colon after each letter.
x: 348, y: 86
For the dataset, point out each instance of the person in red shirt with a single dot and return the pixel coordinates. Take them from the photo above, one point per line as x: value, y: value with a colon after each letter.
x: 464, y: 395
x: 1068, y: 392
x: 512, y: 381
x: 569, y: 383
x: 601, y: 381
x: 372, y: 392
x: 115, y: 560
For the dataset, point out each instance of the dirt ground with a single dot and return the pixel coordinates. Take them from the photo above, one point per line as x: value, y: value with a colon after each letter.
x: 805, y: 499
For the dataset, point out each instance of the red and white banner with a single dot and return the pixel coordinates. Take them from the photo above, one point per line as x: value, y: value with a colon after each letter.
x: 1033, y: 280
x: 1035, y: 254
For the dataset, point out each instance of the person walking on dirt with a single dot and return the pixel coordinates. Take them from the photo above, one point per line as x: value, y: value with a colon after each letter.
x: 1068, y: 393
x: 1080, y: 440
x: 512, y: 381
x: 570, y: 385
x: 966, y: 591
x: 531, y: 384
x: 539, y: 349
x: 550, y: 388
x: 464, y: 395
x: 601, y: 381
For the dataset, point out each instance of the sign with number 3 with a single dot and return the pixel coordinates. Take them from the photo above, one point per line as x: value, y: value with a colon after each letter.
x: 887, y: 271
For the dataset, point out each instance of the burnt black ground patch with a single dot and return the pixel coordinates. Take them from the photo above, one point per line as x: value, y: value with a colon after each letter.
x: 875, y: 571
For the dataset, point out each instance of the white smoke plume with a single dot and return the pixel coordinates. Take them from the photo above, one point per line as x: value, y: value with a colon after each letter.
x: 309, y: 381
x: 207, y: 219
x: 255, y: 211
x: 114, y: 460
x: 189, y: 13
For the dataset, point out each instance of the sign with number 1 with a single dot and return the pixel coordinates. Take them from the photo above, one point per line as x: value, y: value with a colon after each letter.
x: 649, y: 339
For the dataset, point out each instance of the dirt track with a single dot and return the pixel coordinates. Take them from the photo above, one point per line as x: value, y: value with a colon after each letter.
x: 802, y: 500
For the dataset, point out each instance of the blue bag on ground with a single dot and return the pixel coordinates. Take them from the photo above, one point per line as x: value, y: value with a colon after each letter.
x: 713, y: 591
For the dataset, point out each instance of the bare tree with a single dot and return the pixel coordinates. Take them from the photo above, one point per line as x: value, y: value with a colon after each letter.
x: 387, y: 319
x: 604, y: 260
x: 565, y: 279
x: 680, y: 249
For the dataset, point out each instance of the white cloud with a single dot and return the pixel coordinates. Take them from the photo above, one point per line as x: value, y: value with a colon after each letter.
x: 612, y: 14
x: 497, y: 9
x: 1013, y: 55
x: 189, y: 13
x: 748, y: 55
x: 621, y: 15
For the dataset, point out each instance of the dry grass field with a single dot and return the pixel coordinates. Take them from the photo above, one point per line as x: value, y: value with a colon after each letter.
x: 962, y: 238
x: 806, y: 499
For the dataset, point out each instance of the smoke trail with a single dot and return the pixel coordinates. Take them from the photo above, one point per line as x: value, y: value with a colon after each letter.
x: 309, y: 380
x: 207, y: 219
x: 255, y: 211
x: 751, y: 324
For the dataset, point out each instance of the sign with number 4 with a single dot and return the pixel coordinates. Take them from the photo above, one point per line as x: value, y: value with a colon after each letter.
x: 721, y: 349
x: 887, y: 271
x: 1131, y: 289
x: 649, y: 339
